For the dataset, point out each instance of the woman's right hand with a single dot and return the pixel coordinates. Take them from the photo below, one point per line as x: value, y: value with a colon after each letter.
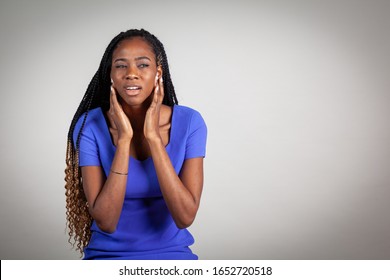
x: 120, y: 126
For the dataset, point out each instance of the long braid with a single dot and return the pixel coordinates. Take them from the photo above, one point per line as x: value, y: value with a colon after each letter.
x: 97, y: 94
x: 77, y: 219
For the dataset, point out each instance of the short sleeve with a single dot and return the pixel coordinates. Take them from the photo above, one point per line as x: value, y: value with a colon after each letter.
x: 88, y: 149
x: 197, y: 136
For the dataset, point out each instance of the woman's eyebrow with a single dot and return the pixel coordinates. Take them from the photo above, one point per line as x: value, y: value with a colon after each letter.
x: 120, y: 59
x: 142, y: 57
x: 136, y: 59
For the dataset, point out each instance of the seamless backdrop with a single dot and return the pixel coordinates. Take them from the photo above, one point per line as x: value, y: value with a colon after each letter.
x: 295, y: 95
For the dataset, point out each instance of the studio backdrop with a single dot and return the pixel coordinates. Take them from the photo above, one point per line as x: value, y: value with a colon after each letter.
x: 295, y: 94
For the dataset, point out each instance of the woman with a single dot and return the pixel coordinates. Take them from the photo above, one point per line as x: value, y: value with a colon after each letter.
x: 134, y: 172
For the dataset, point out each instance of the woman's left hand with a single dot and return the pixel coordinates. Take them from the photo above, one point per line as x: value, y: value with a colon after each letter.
x: 152, y: 118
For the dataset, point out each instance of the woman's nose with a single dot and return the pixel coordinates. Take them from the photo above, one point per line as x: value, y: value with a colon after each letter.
x: 132, y: 73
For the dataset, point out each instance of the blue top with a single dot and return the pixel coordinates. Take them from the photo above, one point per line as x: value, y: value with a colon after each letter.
x: 145, y: 228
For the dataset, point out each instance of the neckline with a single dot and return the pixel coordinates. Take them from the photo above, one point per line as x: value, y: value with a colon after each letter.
x: 149, y: 157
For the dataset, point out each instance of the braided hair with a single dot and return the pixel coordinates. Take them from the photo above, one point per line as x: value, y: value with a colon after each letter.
x: 79, y: 220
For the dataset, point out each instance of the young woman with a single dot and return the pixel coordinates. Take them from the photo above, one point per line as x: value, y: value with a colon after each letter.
x: 134, y: 173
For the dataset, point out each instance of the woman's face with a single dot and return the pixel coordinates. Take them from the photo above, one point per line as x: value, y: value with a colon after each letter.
x: 134, y: 70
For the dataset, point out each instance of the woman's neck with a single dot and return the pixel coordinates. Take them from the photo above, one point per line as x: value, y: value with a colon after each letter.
x: 136, y: 115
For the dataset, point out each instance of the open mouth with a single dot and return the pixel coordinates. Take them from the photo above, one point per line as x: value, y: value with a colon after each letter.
x: 133, y: 90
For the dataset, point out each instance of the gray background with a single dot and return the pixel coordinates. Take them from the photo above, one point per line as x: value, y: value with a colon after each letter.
x: 295, y: 95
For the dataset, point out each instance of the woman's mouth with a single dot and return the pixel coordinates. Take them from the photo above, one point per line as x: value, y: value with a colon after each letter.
x: 133, y: 90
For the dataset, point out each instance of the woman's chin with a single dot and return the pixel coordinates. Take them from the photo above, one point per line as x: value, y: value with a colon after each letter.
x: 136, y: 100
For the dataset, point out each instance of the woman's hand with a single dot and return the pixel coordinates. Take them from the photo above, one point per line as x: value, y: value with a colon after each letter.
x: 120, y: 126
x: 152, y: 118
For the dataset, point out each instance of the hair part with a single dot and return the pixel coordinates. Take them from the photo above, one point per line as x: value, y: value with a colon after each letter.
x: 79, y: 220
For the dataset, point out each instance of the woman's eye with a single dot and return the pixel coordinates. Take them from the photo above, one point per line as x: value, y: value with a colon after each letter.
x: 120, y: 66
x: 143, y: 65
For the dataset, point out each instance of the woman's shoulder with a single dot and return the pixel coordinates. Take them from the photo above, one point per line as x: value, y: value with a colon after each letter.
x: 187, y: 116
x: 92, y: 119
x: 92, y: 115
x: 187, y: 112
x: 184, y: 109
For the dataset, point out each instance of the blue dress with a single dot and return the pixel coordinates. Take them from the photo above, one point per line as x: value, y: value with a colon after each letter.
x: 146, y: 229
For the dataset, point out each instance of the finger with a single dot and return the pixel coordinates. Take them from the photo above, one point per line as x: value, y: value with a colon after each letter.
x: 156, y: 80
x: 155, y: 94
x: 113, y: 96
x: 113, y: 131
x: 161, y: 90
x: 112, y: 101
x: 112, y: 122
x: 115, y: 103
x: 154, y: 102
x: 112, y: 111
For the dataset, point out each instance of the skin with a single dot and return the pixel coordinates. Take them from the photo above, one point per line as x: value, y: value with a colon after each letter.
x: 139, y: 125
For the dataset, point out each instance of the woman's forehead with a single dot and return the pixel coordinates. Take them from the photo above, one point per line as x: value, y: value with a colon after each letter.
x: 133, y: 47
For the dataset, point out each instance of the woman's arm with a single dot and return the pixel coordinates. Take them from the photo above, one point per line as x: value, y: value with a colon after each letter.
x: 181, y: 193
x: 105, y: 196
